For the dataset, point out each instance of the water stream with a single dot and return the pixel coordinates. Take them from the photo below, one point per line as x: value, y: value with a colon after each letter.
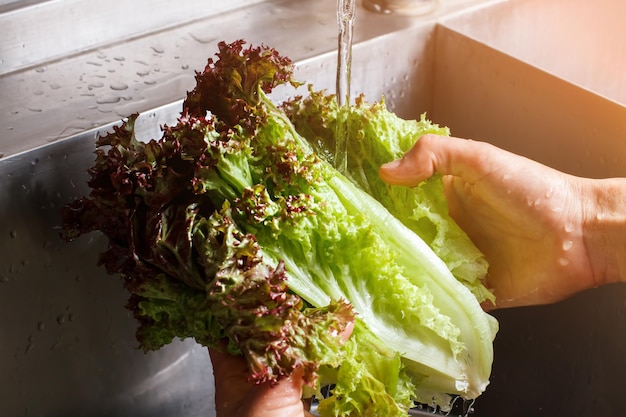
x: 345, y: 21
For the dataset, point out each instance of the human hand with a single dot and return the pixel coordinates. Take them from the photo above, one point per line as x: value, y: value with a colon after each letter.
x: 527, y: 218
x: 235, y: 396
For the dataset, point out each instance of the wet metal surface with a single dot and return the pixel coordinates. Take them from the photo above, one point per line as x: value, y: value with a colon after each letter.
x: 68, y: 346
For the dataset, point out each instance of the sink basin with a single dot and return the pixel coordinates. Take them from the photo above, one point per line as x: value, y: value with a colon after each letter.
x: 531, y: 76
x: 544, y: 78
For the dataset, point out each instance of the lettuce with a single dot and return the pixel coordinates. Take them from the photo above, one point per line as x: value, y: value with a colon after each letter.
x: 234, y: 224
x: 378, y: 136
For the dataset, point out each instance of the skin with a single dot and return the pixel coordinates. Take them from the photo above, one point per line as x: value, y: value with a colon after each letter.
x: 547, y: 235
x: 236, y: 396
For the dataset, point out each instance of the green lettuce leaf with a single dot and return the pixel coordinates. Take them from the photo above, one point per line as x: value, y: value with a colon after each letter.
x: 378, y: 136
x: 235, y: 225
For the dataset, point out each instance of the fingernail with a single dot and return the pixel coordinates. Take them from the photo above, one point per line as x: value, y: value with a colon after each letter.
x: 392, y: 165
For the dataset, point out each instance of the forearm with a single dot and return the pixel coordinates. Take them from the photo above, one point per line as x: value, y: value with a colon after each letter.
x: 605, y: 229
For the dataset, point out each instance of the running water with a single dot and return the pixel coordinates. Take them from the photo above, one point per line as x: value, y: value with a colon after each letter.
x: 345, y: 20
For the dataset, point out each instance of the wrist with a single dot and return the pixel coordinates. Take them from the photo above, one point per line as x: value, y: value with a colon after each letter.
x: 605, y: 230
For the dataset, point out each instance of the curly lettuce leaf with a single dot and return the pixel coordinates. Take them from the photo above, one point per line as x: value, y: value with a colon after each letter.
x: 189, y: 268
x: 233, y: 225
x: 378, y: 136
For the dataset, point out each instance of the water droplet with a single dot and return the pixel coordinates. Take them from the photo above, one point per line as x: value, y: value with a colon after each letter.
x: 61, y: 319
x: 203, y: 39
x: 118, y: 86
x: 96, y: 84
x: 12, y: 234
x: 143, y: 73
x: 108, y: 100
x: 569, y: 228
x: 55, y: 86
x: 567, y: 245
x: 533, y: 203
x: 119, y: 58
x: 563, y: 262
x: 549, y: 193
x: 157, y: 49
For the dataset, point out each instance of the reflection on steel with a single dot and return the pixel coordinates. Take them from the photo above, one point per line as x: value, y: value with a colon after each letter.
x: 68, y: 345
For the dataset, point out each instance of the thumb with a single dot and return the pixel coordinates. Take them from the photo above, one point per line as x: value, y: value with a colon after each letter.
x: 235, y: 395
x: 431, y: 154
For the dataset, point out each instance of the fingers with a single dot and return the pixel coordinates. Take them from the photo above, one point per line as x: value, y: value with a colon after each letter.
x: 226, y: 365
x: 231, y: 387
x: 235, y: 395
x: 431, y: 154
x: 347, y: 332
x: 419, y: 163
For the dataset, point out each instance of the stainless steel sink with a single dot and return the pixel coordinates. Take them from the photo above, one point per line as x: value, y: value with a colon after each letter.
x: 527, y: 75
x: 542, y: 78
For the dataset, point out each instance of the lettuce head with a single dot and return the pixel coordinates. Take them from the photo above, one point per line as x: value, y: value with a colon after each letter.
x: 235, y: 225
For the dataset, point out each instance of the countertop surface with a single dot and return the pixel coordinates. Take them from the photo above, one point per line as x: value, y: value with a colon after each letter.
x: 68, y: 95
